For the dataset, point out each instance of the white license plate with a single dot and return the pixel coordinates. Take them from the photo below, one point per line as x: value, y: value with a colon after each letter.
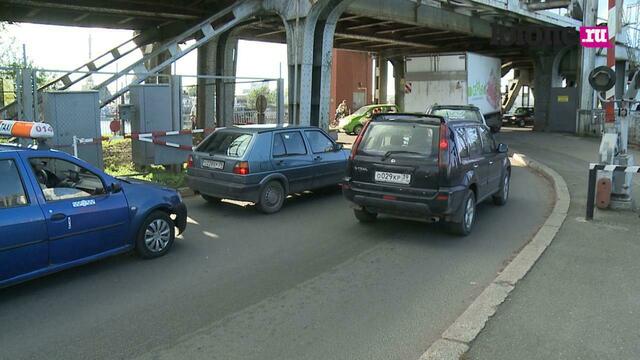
x: 213, y: 164
x: 395, y: 178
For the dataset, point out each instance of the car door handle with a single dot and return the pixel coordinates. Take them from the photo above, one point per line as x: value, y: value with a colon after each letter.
x: 317, y: 158
x: 490, y: 162
x: 279, y: 162
x: 58, y: 217
x: 475, y: 166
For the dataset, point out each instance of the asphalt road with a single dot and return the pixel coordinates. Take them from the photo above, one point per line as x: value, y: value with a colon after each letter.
x: 307, y: 283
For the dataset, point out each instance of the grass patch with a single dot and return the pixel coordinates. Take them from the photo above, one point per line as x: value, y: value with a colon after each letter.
x: 118, y: 162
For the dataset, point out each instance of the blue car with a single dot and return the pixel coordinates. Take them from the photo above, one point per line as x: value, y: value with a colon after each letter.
x: 263, y: 164
x: 57, y: 211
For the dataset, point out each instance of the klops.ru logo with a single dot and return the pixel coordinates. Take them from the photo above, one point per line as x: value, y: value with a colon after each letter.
x: 594, y: 37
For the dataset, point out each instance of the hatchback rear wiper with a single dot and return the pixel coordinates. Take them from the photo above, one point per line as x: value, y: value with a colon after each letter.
x: 392, y: 152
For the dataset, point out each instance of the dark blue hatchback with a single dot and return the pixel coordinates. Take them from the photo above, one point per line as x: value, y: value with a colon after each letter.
x: 57, y: 211
x: 262, y: 164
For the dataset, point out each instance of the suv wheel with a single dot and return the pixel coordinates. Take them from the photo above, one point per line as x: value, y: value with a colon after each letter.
x: 501, y: 197
x: 364, y: 216
x: 155, y: 236
x: 357, y: 129
x: 211, y: 199
x: 465, y: 226
x: 271, y: 198
x: 521, y: 123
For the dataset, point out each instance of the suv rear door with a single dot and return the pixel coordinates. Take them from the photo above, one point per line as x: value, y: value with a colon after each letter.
x: 494, y: 165
x: 398, y: 154
x: 477, y: 160
x: 23, y: 233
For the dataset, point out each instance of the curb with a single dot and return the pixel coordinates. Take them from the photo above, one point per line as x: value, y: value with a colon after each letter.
x: 455, y: 341
x: 185, y: 192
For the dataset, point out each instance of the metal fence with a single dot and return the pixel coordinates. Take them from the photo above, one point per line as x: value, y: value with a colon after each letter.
x: 591, y: 123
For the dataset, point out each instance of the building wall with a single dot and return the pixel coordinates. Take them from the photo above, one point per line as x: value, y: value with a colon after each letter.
x: 352, y: 72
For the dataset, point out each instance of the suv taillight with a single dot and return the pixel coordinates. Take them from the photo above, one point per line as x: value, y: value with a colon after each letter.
x: 241, y: 168
x: 190, y: 161
x: 356, y: 143
x: 443, y: 147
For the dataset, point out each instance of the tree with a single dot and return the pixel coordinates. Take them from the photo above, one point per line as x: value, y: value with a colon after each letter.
x: 11, y: 58
x: 261, y: 90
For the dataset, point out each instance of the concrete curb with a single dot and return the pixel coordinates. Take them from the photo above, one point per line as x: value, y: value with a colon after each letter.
x: 455, y: 341
x: 186, y: 192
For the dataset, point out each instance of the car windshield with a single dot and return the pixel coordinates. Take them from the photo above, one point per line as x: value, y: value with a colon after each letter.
x: 402, y: 138
x: 361, y: 111
x: 457, y: 114
x: 228, y: 143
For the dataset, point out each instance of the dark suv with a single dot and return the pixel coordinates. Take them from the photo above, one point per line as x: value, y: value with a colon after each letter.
x: 425, y: 166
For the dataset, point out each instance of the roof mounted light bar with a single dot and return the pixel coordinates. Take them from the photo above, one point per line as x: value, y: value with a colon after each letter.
x: 26, y: 129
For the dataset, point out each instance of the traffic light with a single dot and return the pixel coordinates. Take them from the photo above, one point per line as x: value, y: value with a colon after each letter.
x: 602, y: 78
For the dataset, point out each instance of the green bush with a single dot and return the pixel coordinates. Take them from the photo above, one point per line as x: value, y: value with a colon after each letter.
x: 118, y: 162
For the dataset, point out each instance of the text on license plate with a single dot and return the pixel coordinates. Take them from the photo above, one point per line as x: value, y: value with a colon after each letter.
x: 213, y: 164
x: 390, y: 177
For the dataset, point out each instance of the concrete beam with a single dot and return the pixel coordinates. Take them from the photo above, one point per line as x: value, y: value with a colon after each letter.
x: 428, y: 16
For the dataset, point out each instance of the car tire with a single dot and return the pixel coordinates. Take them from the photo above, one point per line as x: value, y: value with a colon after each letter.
x: 365, y: 216
x: 211, y: 199
x: 156, y: 235
x: 521, y: 123
x: 469, y: 212
x: 271, y: 197
x: 495, y: 129
x: 501, y: 197
x: 357, y: 129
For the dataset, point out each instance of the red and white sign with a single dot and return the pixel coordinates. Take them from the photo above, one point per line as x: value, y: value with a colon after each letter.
x: 408, y: 87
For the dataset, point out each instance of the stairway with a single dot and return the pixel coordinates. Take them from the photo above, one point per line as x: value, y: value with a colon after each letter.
x: 169, y: 51
x: 512, y: 94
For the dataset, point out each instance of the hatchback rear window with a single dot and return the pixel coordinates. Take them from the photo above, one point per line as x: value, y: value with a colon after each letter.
x: 401, y: 138
x: 228, y: 143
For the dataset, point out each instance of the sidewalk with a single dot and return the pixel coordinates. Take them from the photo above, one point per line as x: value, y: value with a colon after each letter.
x: 582, y: 298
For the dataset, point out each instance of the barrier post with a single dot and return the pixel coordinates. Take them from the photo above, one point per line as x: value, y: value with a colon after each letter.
x: 75, y: 146
x: 591, y: 193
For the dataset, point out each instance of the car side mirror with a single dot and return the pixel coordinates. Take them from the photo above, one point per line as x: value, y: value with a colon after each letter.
x: 503, y: 148
x: 338, y: 147
x: 115, y: 188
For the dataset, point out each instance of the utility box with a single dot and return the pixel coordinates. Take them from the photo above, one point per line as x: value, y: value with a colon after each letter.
x: 74, y: 113
x: 152, y: 112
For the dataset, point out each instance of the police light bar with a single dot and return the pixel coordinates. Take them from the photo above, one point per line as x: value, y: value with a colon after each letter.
x: 25, y: 129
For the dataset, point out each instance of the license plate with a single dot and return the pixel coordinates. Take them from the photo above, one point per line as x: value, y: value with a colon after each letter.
x: 395, y: 178
x: 213, y: 164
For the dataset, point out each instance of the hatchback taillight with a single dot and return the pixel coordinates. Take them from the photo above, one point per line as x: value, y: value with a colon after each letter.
x: 190, y: 161
x: 241, y: 168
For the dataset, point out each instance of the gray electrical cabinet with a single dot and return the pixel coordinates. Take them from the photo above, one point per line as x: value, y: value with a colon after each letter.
x: 563, y: 106
x: 153, y: 112
x: 74, y: 113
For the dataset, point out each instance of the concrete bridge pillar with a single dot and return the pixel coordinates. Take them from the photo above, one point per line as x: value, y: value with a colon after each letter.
x: 206, y: 96
x: 542, y: 83
x: 310, y: 28
x: 399, y: 81
x: 382, y: 79
x: 226, y: 65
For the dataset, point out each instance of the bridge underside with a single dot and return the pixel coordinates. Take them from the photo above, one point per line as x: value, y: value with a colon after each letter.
x: 390, y: 29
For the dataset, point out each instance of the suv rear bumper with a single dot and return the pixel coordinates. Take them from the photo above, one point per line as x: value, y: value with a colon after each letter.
x: 224, y: 189
x: 444, y: 203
